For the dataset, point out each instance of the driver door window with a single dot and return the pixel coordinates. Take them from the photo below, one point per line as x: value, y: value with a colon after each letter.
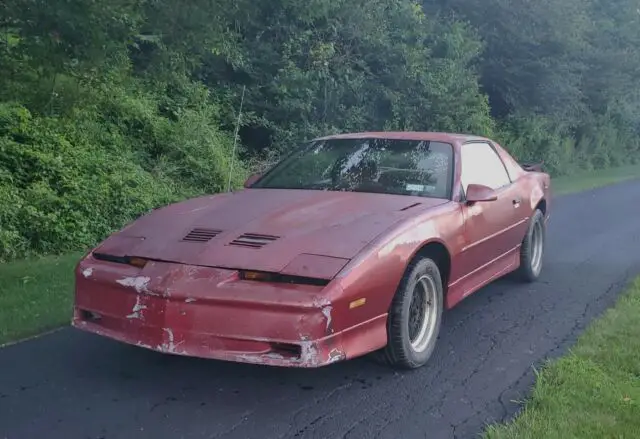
x: 482, y: 165
x: 490, y: 234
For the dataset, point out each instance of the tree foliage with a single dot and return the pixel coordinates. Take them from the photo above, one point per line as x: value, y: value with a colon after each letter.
x: 560, y: 70
x: 111, y: 108
x: 316, y: 67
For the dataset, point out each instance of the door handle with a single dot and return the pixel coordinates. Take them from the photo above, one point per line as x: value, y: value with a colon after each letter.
x: 516, y: 202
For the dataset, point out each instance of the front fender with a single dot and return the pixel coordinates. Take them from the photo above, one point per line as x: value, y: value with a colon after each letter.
x: 376, y: 272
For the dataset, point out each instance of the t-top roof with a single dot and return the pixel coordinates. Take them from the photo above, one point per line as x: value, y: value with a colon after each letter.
x: 408, y: 135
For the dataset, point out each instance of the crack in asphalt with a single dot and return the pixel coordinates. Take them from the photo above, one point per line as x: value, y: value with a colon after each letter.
x: 316, y: 401
x: 71, y: 385
x: 234, y: 427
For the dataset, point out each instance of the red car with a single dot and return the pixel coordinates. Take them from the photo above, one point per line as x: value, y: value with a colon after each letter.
x: 353, y: 244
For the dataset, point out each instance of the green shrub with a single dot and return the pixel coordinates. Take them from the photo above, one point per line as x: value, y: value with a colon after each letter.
x: 536, y: 139
x: 599, y: 143
x: 67, y: 183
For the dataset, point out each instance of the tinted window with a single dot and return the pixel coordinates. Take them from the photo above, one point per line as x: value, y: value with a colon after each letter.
x: 404, y: 167
x: 482, y: 165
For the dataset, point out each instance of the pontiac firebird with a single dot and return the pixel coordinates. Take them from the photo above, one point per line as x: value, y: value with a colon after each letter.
x: 352, y: 244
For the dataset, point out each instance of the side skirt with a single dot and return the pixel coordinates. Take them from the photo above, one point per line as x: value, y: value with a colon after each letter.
x: 491, y: 271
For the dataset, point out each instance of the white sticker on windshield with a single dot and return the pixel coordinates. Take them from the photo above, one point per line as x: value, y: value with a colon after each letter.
x: 415, y: 187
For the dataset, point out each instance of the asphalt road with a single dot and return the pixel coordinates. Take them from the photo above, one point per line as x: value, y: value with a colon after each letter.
x: 72, y: 385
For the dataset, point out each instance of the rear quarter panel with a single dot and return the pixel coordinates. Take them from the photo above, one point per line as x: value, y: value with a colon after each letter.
x: 536, y: 189
x: 533, y: 186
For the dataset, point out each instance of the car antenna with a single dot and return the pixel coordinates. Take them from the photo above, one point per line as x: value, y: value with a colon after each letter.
x: 235, y: 139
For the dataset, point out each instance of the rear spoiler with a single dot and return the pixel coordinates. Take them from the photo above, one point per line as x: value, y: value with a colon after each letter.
x: 532, y: 167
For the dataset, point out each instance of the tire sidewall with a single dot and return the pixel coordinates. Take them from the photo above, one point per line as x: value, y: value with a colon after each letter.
x: 427, y: 267
x: 527, y: 253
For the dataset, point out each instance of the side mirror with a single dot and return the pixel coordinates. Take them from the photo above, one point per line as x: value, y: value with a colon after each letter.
x: 252, y: 179
x: 477, y: 193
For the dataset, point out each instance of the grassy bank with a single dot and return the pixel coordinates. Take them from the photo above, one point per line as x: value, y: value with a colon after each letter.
x: 594, y: 391
x: 36, y: 295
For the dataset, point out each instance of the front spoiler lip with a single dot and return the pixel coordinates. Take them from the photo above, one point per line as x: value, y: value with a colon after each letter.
x: 314, y: 353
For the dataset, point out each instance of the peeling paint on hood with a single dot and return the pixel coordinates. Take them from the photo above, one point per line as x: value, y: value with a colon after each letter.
x: 333, y: 224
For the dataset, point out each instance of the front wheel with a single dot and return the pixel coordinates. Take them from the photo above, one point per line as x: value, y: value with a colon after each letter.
x: 415, y: 316
x: 532, y: 249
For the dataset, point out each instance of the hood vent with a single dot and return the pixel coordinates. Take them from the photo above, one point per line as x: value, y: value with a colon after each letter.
x: 201, y: 235
x: 410, y: 207
x: 253, y: 240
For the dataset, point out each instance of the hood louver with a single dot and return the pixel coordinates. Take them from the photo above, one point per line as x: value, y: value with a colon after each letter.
x: 410, y: 207
x: 201, y: 235
x: 253, y: 240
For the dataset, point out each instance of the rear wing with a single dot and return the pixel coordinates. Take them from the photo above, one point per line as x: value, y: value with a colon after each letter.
x: 532, y: 167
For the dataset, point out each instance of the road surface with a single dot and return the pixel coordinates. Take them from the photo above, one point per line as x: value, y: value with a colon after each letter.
x: 72, y: 385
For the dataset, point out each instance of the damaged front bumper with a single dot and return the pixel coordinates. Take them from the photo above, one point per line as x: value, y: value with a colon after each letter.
x: 207, y: 312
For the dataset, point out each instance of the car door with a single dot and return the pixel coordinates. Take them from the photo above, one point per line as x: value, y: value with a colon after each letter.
x: 490, y: 228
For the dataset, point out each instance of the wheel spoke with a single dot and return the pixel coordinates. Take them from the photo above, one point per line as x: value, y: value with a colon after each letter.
x: 422, y: 313
x: 537, y: 246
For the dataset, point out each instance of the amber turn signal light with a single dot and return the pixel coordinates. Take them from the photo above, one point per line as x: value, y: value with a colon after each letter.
x: 255, y: 275
x: 129, y: 260
x: 138, y: 262
x: 357, y: 303
x: 262, y: 276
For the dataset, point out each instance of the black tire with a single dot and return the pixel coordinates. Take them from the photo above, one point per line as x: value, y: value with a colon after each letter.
x: 399, y: 352
x: 531, y: 268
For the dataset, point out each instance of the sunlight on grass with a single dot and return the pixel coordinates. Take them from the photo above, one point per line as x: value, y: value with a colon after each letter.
x: 593, y: 179
x: 35, y: 295
x: 594, y: 391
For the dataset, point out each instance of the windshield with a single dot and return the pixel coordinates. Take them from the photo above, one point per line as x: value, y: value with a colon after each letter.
x: 388, y: 166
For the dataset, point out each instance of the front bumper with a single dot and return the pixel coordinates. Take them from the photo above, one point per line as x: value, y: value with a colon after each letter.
x: 209, y: 313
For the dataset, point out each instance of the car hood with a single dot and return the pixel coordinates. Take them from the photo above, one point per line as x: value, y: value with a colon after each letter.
x: 263, y: 229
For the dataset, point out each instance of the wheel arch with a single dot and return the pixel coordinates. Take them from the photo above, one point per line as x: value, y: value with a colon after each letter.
x: 439, y: 252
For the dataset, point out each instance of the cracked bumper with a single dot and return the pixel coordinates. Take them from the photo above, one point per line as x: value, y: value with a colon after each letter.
x: 208, y: 313
x: 305, y: 354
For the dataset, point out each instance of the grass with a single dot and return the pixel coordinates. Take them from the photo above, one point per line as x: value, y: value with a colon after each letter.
x: 35, y: 295
x: 593, y: 179
x: 594, y: 391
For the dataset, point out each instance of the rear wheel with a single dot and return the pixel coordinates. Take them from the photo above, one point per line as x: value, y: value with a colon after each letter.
x: 532, y: 249
x: 415, y: 316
